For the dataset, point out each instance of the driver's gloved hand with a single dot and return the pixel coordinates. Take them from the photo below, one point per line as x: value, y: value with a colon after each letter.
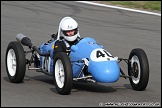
x: 54, y: 36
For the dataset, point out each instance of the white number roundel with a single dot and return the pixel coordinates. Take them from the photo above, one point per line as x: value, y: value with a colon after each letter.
x: 101, y: 55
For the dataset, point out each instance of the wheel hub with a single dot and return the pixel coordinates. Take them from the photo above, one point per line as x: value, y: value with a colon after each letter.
x: 59, y: 73
x: 135, y: 71
x: 11, y: 62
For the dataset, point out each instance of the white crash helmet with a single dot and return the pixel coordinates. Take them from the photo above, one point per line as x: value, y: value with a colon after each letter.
x: 66, y: 24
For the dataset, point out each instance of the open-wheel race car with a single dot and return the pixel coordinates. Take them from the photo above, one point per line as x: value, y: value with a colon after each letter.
x: 66, y: 68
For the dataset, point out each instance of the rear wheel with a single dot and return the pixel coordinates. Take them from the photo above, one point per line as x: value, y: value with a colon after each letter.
x: 15, y: 62
x: 138, y: 68
x: 62, y: 73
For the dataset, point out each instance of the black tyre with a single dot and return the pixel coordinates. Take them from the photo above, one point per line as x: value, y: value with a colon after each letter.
x: 62, y: 73
x: 138, y: 68
x: 15, y: 62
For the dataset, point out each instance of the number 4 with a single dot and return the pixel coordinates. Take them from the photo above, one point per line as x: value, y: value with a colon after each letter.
x: 101, y: 54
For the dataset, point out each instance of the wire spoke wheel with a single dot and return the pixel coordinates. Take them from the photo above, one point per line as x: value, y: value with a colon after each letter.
x: 138, y: 68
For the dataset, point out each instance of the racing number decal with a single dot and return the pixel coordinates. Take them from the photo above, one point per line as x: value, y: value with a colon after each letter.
x: 46, y: 64
x: 101, y: 55
x: 45, y: 67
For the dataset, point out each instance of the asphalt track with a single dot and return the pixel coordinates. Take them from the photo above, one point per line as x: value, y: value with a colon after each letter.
x: 118, y: 31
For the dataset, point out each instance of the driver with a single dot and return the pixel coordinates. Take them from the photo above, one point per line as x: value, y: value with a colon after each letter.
x: 67, y: 35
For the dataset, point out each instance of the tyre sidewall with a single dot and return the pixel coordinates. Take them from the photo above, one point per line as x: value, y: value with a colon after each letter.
x: 144, y: 69
x: 67, y: 72
x: 20, y: 62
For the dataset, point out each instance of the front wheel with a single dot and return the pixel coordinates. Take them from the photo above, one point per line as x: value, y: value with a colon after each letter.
x: 62, y: 73
x: 15, y: 62
x: 138, y: 68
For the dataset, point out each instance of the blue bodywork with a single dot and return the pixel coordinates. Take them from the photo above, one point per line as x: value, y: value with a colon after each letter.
x: 102, y: 65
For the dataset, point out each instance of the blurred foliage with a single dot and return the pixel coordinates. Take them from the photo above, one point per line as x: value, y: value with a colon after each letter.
x: 147, y: 5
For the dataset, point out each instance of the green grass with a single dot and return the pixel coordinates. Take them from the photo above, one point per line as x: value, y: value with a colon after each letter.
x: 146, y: 5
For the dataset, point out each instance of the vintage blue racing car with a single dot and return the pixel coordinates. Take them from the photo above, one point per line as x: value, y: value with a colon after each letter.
x: 65, y: 69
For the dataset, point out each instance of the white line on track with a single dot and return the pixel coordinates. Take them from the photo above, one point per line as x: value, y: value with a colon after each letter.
x: 116, y: 7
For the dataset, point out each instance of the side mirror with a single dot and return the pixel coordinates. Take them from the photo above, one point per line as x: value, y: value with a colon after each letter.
x: 74, y: 48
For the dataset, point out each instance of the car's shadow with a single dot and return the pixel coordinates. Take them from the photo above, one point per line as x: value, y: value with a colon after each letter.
x: 77, y: 86
x: 42, y: 78
x: 92, y: 87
